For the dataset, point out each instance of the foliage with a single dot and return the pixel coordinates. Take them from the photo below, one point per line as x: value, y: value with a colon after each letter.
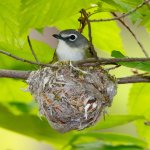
x: 139, y: 104
x: 138, y: 65
x: 18, y: 112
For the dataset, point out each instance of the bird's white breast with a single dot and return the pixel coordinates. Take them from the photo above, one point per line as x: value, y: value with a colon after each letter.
x: 65, y: 52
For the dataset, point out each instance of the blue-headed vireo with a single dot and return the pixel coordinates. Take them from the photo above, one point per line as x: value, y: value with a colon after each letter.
x: 72, y: 45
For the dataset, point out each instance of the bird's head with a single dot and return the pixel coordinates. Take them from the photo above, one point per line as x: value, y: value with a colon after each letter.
x: 72, y: 45
x: 72, y: 38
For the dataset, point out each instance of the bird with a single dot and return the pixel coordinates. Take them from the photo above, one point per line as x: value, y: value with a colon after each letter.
x: 72, y: 46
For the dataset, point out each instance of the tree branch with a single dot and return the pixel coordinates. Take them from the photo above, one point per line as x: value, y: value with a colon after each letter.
x: 24, y: 75
x: 106, y: 61
x: 14, y: 74
x: 133, y: 79
x: 133, y: 34
x: 124, y: 15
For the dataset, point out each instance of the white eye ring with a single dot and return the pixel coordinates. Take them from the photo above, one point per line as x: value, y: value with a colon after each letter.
x: 72, y: 37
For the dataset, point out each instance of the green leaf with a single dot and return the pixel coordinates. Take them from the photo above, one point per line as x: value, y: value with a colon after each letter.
x: 24, y: 107
x: 128, y: 5
x: 139, y: 104
x: 9, y: 20
x: 105, y: 7
x: 32, y: 126
x: 112, y: 138
x: 12, y: 42
x: 117, y: 54
x: 146, y: 21
x: 145, y: 66
x: 123, y: 5
x: 115, y: 4
x: 115, y: 120
x: 43, y: 52
x: 106, y: 35
x: 7, y: 62
x: 9, y: 32
x: 37, y: 14
x: 103, y: 146
x: 16, y: 90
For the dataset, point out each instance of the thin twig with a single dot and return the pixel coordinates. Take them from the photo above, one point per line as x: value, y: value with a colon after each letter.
x: 95, y: 12
x: 24, y: 75
x: 90, y: 61
x: 31, y: 48
x: 123, y: 15
x: 112, y: 68
x: 133, y: 34
x: 22, y: 59
x: 89, y: 33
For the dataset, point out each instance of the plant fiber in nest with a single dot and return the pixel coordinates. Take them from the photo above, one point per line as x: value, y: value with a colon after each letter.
x: 71, y: 98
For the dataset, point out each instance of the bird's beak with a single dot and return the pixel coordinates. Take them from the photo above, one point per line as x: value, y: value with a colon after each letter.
x: 57, y: 36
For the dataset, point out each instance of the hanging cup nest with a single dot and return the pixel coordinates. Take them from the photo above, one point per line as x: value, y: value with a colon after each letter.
x: 71, y: 98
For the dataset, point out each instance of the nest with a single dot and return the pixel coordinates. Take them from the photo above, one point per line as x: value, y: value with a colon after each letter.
x: 71, y: 98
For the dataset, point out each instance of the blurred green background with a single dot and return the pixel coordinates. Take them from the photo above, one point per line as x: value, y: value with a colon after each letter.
x: 20, y: 124
x: 14, y: 141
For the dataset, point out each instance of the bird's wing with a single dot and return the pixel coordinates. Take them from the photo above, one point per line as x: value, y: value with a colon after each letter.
x: 55, y: 58
x: 89, y: 53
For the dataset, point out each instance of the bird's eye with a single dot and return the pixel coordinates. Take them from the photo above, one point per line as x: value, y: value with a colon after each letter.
x: 72, y: 37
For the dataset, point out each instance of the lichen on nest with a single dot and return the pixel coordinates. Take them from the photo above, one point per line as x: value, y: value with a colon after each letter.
x: 71, y: 98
